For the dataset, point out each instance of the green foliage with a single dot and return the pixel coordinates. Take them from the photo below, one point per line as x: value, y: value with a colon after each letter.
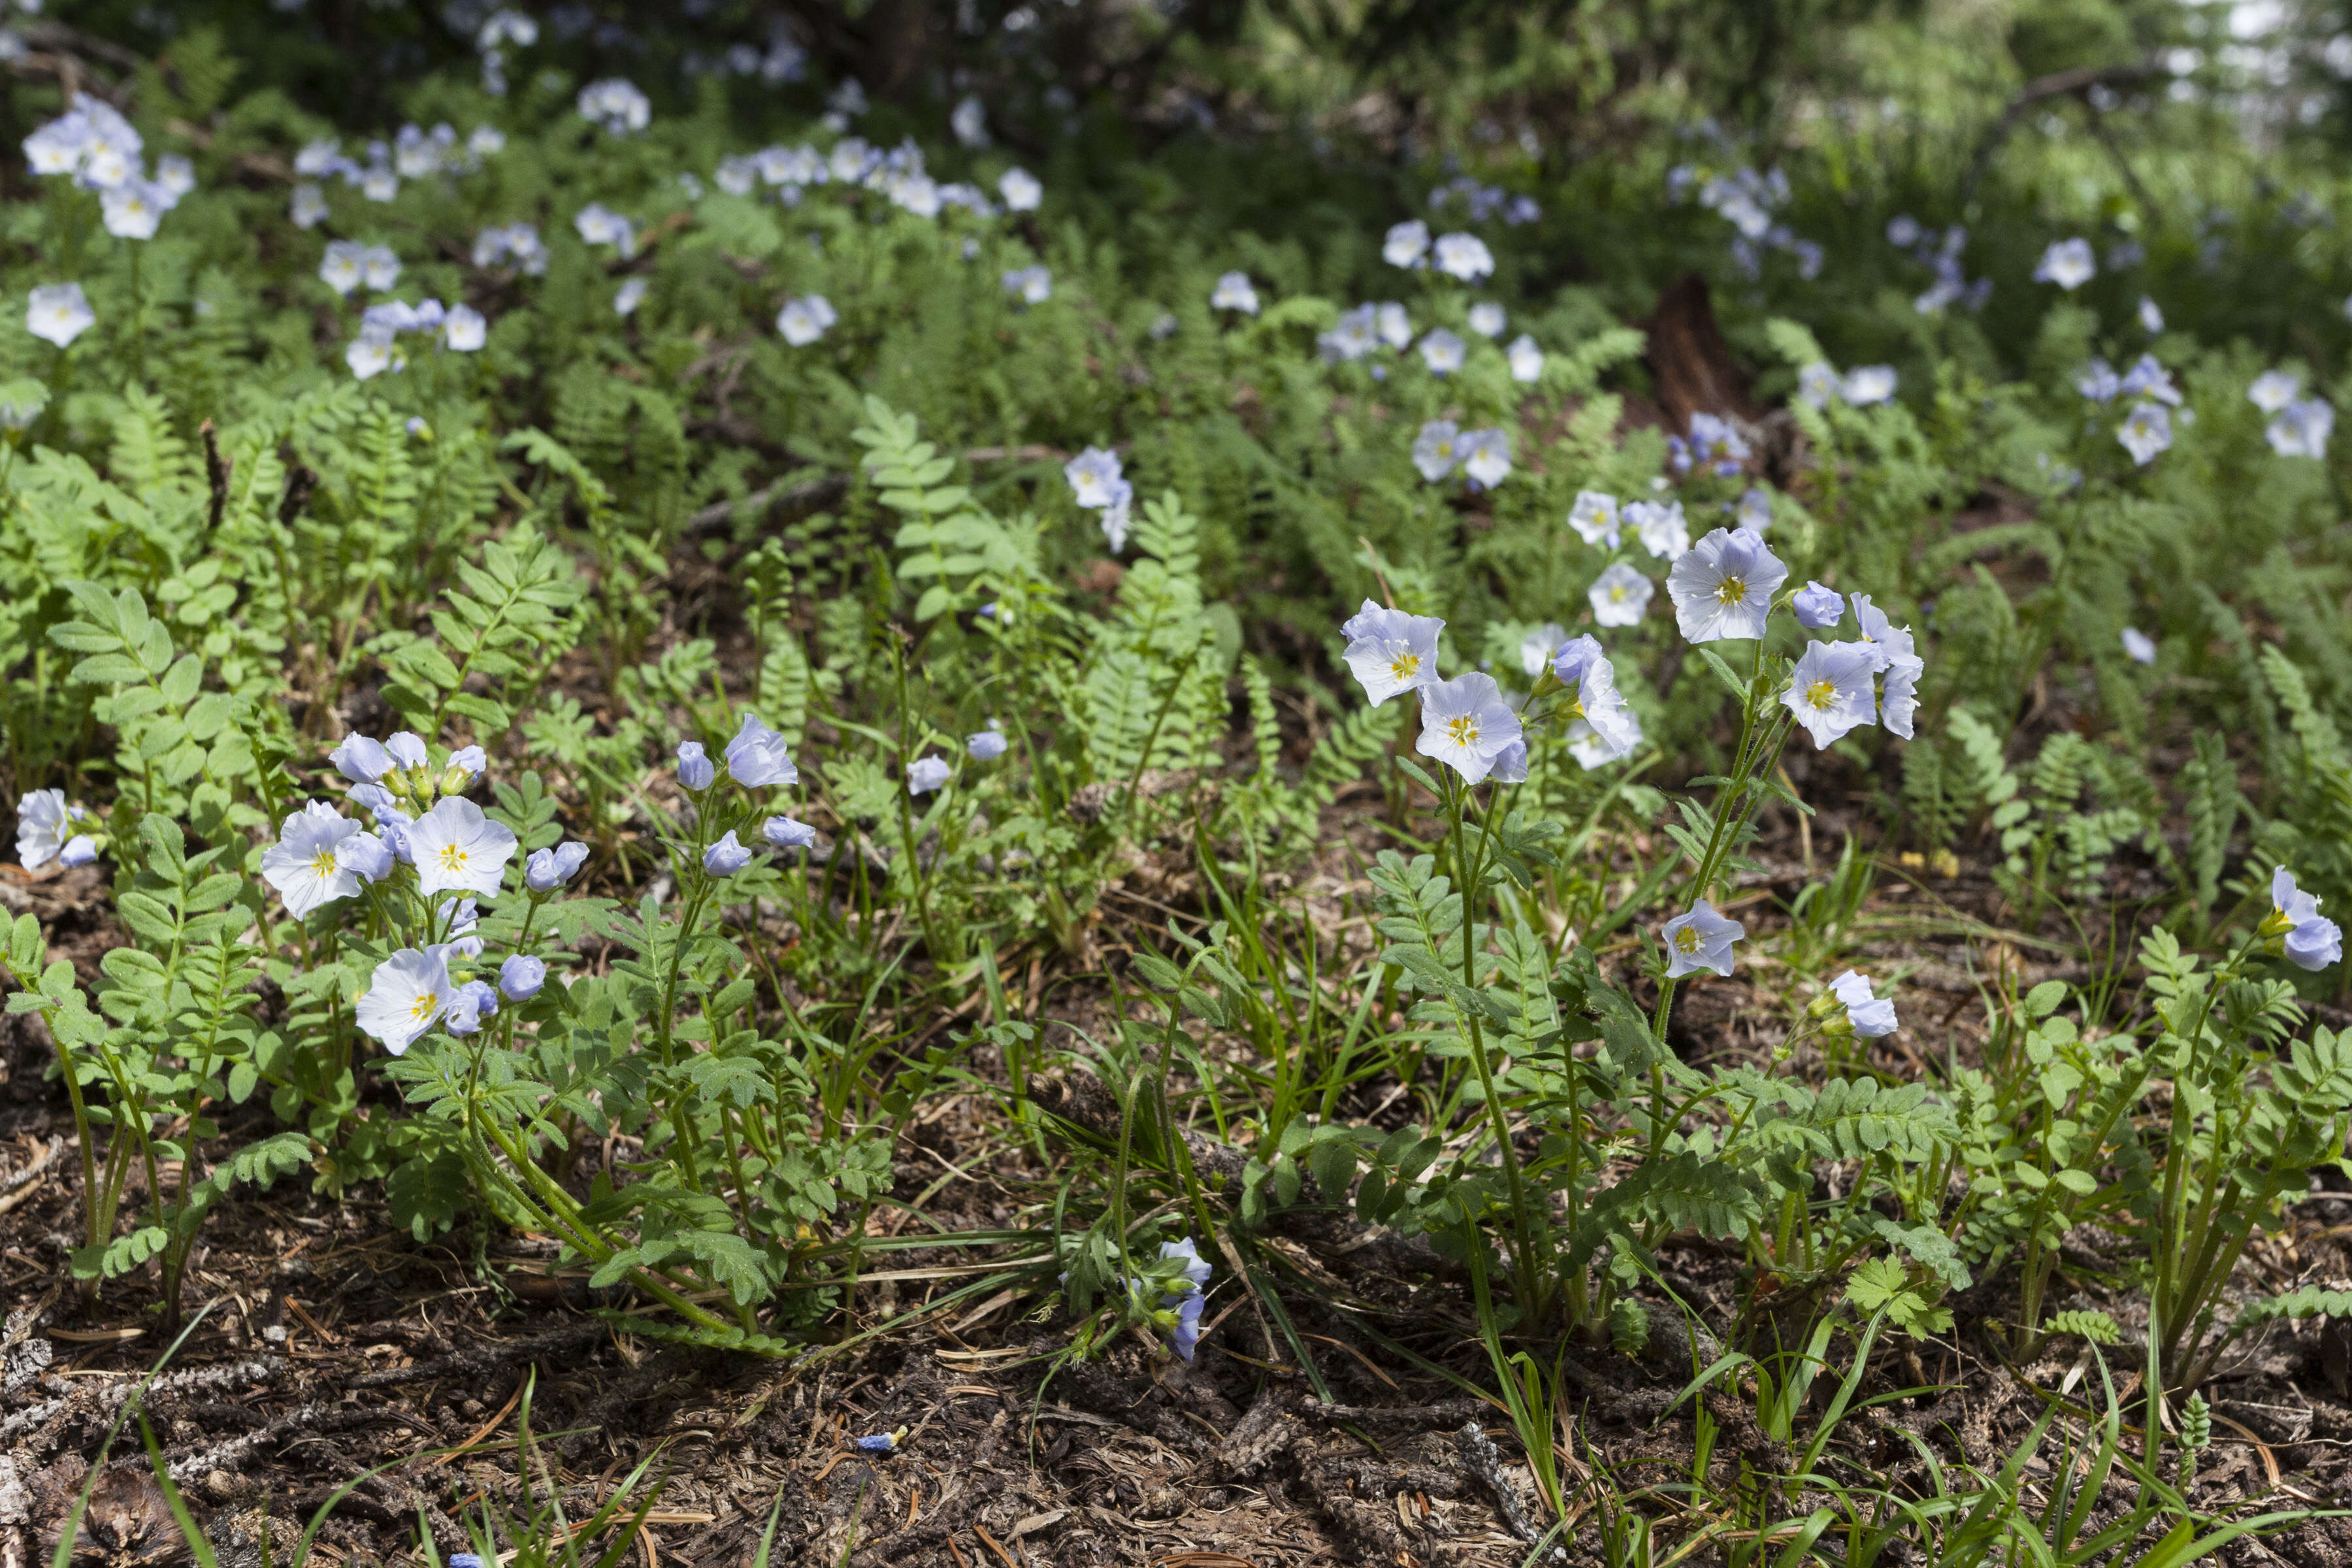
x: 1121, y: 747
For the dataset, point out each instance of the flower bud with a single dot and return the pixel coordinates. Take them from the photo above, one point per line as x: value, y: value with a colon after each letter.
x: 695, y: 771
x: 925, y: 775
x: 727, y: 857
x: 548, y: 870
x: 1817, y: 606
x: 520, y: 976
x: 79, y: 850
x: 786, y: 834
x: 473, y: 1002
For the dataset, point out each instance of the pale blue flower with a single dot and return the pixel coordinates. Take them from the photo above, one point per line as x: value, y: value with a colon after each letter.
x: 1353, y: 338
x: 2301, y: 429
x: 1463, y: 256
x: 464, y: 329
x: 1021, y: 191
x: 599, y: 225
x: 1817, y: 383
x: 2068, y: 263
x: 1034, y: 284
x: 58, y: 313
x: 1754, y: 512
x: 616, y: 105
x: 1233, y: 292
x: 470, y: 1006
x: 1442, y: 351
x: 1406, y: 244
x: 1831, y: 692
x: 1486, y: 456
x: 1620, y: 596
x: 1437, y: 449
x: 878, y: 1443
x: 2147, y: 378
x: 1870, y: 1016
x: 2273, y: 390
x: 1663, y: 530
x: 756, y: 757
x: 1868, y: 383
x: 1186, y: 1336
x: 1602, y: 718
x: 1196, y: 1268
x: 79, y: 850
x: 458, y: 849
x: 43, y: 827
x: 694, y: 770
x: 303, y: 864
x: 361, y: 759
x: 1391, y: 652
x: 985, y: 745
x: 1594, y: 517
x: 520, y: 976
x: 1466, y: 725
x: 2151, y: 319
x: 804, y: 320
x: 1723, y: 586
x: 365, y: 856
x: 925, y: 775
x: 1487, y: 318
x: 407, y: 995
x: 1700, y: 939
x: 2309, y: 939
x: 2146, y: 431
x: 2138, y: 645
x: 2098, y: 382
x: 1525, y: 360
x: 1094, y: 474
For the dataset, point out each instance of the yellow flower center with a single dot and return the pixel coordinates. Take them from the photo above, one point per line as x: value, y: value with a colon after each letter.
x: 1821, y: 694
x: 422, y: 1008
x: 1617, y: 594
x: 1576, y: 707
x: 322, y: 863
x: 452, y: 858
x: 1463, y: 730
x: 1731, y: 591
x: 1687, y: 938
x: 1405, y: 665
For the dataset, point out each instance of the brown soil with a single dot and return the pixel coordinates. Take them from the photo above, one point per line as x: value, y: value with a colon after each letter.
x: 333, y: 1345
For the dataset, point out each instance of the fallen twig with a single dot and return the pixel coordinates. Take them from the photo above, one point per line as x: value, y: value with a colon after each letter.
x: 1485, y: 1462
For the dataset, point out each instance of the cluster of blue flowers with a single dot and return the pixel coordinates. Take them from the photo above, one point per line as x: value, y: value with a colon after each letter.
x: 413, y: 153
x: 1939, y: 252
x: 1748, y: 200
x: 1484, y: 203
x: 97, y: 148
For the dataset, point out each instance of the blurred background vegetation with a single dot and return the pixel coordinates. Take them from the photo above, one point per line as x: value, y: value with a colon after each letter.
x: 2197, y: 145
